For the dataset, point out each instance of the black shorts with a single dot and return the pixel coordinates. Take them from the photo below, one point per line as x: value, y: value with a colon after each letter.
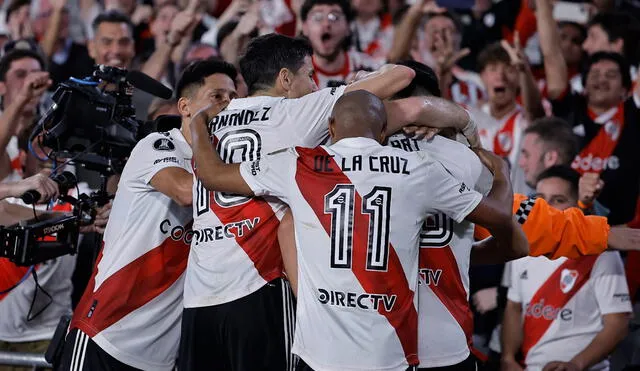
x: 82, y: 354
x: 248, y: 334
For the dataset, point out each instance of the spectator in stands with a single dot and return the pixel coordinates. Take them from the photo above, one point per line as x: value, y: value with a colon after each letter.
x: 372, y: 28
x: 506, y: 74
x: 615, y: 32
x: 18, y: 20
x: 546, y: 142
x: 23, y: 80
x: 326, y: 24
x: 50, y: 22
x: 572, y: 36
x: 605, y: 118
x: 439, y: 47
x: 566, y: 313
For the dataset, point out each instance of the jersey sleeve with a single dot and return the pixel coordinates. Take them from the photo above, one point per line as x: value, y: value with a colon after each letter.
x: 269, y: 176
x: 449, y: 195
x: 610, y: 284
x: 554, y: 233
x: 154, y: 153
x: 307, y: 118
x: 513, y: 293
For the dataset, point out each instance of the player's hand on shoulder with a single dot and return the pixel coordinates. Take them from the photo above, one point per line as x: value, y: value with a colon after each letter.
x: 561, y: 366
x: 420, y: 132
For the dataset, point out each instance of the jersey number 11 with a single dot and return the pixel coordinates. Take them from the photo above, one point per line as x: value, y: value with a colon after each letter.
x: 340, y: 203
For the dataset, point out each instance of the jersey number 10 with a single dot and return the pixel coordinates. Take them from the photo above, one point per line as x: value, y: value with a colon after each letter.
x: 340, y: 203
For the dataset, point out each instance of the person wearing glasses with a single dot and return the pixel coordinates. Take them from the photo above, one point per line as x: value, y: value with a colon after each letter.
x: 326, y: 24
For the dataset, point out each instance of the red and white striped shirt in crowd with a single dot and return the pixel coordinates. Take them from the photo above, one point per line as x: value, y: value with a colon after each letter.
x: 563, y: 302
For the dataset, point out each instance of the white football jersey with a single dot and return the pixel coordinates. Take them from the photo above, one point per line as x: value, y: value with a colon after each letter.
x: 568, y: 316
x: 445, y: 317
x: 133, y: 304
x: 235, y: 248
x: 358, y: 209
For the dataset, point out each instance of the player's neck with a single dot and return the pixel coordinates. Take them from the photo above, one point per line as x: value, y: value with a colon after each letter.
x: 185, y: 129
x: 273, y: 92
x: 499, y: 111
x: 333, y: 64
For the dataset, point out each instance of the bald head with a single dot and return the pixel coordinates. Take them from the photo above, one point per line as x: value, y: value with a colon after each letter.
x: 358, y: 114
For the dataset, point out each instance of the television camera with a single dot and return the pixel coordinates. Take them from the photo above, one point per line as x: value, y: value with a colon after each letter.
x: 91, y: 122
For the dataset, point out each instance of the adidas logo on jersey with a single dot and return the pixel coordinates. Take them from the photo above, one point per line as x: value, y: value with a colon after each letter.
x: 523, y: 275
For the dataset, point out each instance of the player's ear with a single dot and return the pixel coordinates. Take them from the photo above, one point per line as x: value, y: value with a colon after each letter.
x: 183, y: 107
x: 3, y: 88
x: 332, y: 127
x: 285, y: 78
x: 383, y: 133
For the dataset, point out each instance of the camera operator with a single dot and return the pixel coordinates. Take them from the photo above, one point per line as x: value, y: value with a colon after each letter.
x: 23, y: 80
x: 22, y: 327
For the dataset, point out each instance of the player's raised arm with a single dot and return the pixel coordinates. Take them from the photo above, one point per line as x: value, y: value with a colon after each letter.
x: 494, y: 213
x: 385, y: 82
x: 428, y: 111
x: 212, y: 172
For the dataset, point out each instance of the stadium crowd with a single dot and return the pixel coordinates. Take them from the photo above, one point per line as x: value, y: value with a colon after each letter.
x: 508, y: 129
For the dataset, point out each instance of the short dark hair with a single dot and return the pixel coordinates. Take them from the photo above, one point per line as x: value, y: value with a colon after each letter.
x: 266, y: 55
x: 493, y: 53
x: 425, y: 81
x: 619, y: 25
x: 112, y: 16
x: 345, y: 5
x: 195, y: 72
x: 557, y: 135
x: 16, y: 54
x: 14, y: 6
x: 563, y: 172
x: 625, y: 72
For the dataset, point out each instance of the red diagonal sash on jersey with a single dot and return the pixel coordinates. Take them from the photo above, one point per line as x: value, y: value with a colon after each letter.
x: 577, y: 273
x: 261, y: 243
x: 403, y: 317
x: 131, y: 287
x: 604, y: 143
x: 503, y: 142
x: 450, y: 290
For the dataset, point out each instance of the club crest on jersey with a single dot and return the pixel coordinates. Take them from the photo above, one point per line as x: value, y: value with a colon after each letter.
x: 504, y: 139
x: 164, y: 144
x: 568, y: 278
